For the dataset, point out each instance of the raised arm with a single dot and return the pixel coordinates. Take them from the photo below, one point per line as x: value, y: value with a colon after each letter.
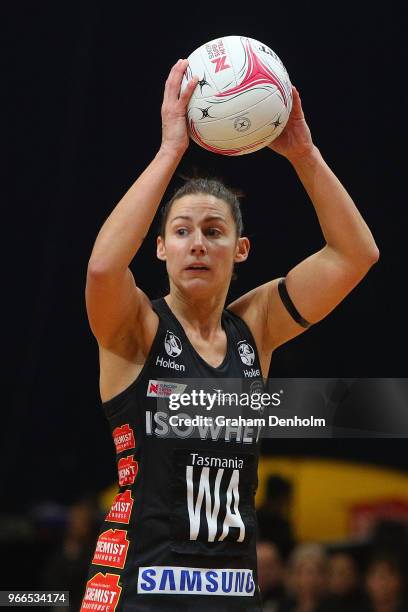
x: 113, y: 301
x: 318, y: 283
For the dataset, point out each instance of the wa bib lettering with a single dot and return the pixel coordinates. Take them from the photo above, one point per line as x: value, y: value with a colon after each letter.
x: 211, y: 502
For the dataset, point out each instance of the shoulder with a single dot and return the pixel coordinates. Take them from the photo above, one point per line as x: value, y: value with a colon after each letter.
x: 271, y: 315
x: 253, y: 309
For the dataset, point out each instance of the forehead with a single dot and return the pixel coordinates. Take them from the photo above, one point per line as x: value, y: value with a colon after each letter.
x: 341, y: 560
x: 309, y: 561
x: 200, y: 205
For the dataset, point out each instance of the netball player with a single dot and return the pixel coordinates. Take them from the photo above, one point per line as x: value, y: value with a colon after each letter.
x: 181, y: 532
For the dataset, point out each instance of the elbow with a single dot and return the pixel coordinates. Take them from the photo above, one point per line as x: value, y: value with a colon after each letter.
x: 373, y: 255
x: 376, y: 255
x: 96, y: 269
x: 368, y: 256
x: 357, y: 265
x: 365, y: 262
x: 100, y: 270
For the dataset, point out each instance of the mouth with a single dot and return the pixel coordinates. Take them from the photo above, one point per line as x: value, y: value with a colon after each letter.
x: 198, y: 268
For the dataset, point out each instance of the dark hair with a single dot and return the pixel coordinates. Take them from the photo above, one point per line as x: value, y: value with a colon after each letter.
x: 210, y: 186
x: 394, y: 560
x: 278, y: 487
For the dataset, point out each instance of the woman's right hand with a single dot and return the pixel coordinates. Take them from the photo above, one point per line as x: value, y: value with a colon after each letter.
x: 174, y: 108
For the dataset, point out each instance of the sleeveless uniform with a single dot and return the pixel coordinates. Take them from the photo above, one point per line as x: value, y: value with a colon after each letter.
x: 181, y: 532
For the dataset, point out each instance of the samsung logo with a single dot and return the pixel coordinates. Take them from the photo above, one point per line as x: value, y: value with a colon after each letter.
x: 197, y: 580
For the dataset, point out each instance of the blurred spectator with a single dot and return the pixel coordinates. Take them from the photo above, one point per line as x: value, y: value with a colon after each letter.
x: 343, y: 574
x: 386, y: 584
x: 392, y: 535
x: 344, y: 584
x: 67, y: 568
x: 307, y: 579
x: 274, y: 515
x: 270, y: 575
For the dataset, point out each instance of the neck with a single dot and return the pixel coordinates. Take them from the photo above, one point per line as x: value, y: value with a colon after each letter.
x: 387, y: 606
x: 307, y: 603
x: 198, y: 313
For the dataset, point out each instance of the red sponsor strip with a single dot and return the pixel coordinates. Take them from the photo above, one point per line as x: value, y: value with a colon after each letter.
x: 111, y: 549
x: 127, y: 470
x: 123, y: 438
x: 121, y: 508
x: 102, y: 593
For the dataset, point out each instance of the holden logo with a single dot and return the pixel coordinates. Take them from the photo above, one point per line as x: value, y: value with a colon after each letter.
x: 172, y: 344
x: 246, y: 352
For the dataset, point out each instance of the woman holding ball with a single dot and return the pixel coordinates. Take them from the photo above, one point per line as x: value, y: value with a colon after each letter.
x: 181, y: 532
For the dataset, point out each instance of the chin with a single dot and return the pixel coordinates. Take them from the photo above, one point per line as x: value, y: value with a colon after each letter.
x: 199, y: 284
x: 198, y: 287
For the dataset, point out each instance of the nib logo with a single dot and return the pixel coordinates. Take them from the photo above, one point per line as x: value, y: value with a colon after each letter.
x: 220, y: 63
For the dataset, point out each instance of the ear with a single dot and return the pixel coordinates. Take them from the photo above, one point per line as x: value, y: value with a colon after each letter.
x: 242, y: 251
x: 161, y: 249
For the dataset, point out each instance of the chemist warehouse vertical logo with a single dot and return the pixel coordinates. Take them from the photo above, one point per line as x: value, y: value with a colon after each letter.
x: 121, y: 508
x: 102, y: 593
x: 123, y: 438
x: 127, y: 470
x: 111, y: 549
x: 173, y: 348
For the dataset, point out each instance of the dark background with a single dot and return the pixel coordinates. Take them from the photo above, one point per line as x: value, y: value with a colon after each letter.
x: 82, y: 90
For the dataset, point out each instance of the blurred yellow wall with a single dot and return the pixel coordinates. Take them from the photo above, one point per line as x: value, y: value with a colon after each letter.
x: 326, y: 490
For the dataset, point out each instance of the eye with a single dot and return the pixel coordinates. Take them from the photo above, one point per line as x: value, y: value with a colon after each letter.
x: 181, y: 231
x: 213, y: 232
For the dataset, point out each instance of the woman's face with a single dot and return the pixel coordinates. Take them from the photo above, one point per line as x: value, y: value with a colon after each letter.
x: 309, y: 577
x: 384, y: 583
x: 201, y: 246
x: 343, y: 575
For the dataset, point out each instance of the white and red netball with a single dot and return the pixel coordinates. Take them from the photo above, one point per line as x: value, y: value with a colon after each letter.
x: 243, y: 98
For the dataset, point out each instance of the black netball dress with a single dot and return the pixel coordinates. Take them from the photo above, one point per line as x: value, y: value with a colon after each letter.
x: 181, y: 531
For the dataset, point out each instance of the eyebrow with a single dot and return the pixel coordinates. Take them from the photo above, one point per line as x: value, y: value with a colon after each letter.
x: 209, y: 218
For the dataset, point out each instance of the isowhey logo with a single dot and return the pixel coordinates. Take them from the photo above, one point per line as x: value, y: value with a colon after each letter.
x: 197, y: 580
x: 172, y: 344
x: 102, y: 593
x: 161, y: 388
x: 159, y: 424
x: 246, y: 352
x: 121, y: 508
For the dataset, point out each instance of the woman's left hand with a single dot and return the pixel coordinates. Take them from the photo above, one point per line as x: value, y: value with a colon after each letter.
x: 295, y: 140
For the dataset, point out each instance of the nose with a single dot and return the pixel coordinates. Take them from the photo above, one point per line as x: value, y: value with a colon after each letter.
x: 197, y: 245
